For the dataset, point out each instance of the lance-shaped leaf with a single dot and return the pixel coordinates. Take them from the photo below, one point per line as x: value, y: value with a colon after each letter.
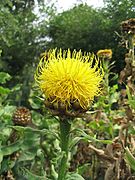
x: 91, y: 138
x: 130, y: 159
x: 74, y: 176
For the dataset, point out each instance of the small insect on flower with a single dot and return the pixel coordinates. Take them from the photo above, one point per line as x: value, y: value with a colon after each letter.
x: 67, y: 78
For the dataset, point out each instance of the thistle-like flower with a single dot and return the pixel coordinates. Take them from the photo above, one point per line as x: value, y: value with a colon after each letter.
x: 69, y: 80
x: 106, y: 53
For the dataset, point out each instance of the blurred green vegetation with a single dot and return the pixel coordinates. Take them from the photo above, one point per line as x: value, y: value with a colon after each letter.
x: 25, y: 34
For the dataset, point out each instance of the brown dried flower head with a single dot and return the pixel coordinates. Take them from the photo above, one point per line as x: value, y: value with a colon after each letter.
x: 128, y: 26
x: 22, y: 116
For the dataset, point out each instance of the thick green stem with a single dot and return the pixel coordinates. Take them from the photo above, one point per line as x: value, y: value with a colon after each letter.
x: 64, y: 136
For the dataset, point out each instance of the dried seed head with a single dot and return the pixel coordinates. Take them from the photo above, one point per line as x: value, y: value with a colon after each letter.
x: 128, y: 26
x: 22, y: 116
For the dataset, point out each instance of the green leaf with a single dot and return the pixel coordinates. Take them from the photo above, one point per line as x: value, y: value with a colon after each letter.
x: 5, y: 165
x: 74, y: 141
x: 1, y: 156
x: 26, y: 156
x: 8, y: 110
x: 0, y: 52
x: 74, y: 176
x: 131, y: 99
x: 29, y: 129
x: 1, y: 112
x: 4, y: 77
x: 35, y: 102
x: 92, y: 138
x: 53, y: 172
x: 4, y: 90
x: 31, y: 176
x: 4, y: 133
x: 114, y: 97
x: 7, y: 150
x: 16, y: 88
x: 130, y: 159
x: 83, y: 168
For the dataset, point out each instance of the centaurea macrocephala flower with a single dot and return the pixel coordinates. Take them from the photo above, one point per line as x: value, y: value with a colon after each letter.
x: 66, y: 77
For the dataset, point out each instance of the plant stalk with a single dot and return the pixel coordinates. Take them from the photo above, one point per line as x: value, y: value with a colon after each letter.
x: 131, y: 49
x: 64, y: 136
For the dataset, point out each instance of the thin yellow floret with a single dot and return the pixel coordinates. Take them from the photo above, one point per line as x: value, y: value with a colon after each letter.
x: 68, y: 77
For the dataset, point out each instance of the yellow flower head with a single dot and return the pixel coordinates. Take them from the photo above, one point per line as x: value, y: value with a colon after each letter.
x: 106, y: 53
x: 66, y: 77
